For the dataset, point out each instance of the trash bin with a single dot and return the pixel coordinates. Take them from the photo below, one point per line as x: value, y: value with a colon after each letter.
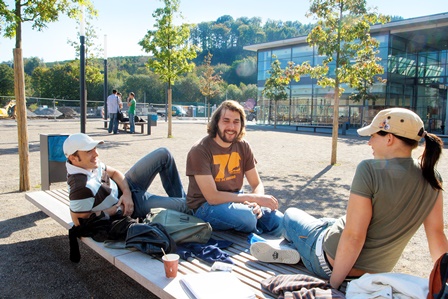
x: 52, y: 159
x: 191, y: 111
x: 152, y: 121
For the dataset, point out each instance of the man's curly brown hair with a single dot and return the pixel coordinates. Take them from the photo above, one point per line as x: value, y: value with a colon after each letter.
x: 212, y: 127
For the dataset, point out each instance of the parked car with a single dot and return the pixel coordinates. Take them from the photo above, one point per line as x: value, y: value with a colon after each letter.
x: 177, y: 110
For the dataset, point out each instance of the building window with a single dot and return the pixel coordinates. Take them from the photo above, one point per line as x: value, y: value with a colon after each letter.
x: 282, y: 54
x: 303, y: 50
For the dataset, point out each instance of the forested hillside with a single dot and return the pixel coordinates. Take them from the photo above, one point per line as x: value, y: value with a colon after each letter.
x: 223, y: 38
x: 226, y: 37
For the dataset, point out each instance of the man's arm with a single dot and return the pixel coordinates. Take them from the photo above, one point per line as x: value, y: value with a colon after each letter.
x: 211, y: 194
x: 258, y: 196
x: 126, y: 198
x: 215, y: 197
x: 253, y: 178
x: 433, y: 224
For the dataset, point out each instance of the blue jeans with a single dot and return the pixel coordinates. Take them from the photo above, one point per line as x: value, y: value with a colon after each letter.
x: 113, y: 123
x: 302, y: 230
x: 131, y: 123
x: 240, y: 217
x: 142, y: 174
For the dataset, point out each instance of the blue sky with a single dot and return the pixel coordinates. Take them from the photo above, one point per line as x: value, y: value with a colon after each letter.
x: 126, y: 22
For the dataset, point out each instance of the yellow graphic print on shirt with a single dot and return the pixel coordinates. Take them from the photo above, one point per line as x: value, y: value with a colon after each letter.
x: 231, y: 163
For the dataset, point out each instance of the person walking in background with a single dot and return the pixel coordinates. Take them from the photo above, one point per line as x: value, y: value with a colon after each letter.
x: 131, y: 112
x: 114, y: 104
x: 216, y: 168
x: 390, y: 197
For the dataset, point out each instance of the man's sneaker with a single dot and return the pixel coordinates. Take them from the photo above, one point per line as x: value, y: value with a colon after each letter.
x: 274, y: 253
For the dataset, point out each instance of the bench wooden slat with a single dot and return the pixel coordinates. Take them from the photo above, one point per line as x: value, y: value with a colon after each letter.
x: 53, y: 208
x: 314, y: 127
x: 126, y: 125
x: 110, y: 254
x: 61, y: 195
x: 149, y: 271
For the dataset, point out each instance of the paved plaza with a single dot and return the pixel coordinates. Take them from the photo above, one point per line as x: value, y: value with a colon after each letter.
x: 294, y: 166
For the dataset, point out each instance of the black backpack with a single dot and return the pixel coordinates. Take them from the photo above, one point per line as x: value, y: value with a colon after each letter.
x: 150, y: 238
x: 438, y: 288
x: 99, y: 229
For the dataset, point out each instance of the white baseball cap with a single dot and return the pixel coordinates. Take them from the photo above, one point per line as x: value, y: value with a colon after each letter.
x: 79, y: 142
x: 398, y: 121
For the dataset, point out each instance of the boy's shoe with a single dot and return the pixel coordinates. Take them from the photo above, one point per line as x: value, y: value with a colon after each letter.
x: 274, y: 253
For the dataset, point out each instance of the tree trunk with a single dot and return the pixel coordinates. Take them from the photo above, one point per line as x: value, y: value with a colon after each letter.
x: 275, y: 114
x: 169, y: 111
x: 334, y: 140
x: 22, y: 131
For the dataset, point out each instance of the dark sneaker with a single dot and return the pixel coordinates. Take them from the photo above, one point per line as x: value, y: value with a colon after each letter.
x: 274, y: 253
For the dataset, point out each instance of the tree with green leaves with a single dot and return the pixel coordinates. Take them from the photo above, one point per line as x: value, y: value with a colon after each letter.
x: 209, y: 81
x: 29, y: 64
x: 92, y: 47
x: 6, y: 80
x: 171, y: 54
x: 342, y: 33
x: 233, y: 92
x: 39, y: 13
x: 187, y: 89
x: 275, y: 87
x: 249, y: 91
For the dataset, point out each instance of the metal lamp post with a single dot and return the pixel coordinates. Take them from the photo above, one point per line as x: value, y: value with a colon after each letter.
x: 82, y: 80
x: 105, y: 81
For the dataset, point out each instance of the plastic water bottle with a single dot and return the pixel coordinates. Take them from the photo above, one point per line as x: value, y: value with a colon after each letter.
x: 252, y: 238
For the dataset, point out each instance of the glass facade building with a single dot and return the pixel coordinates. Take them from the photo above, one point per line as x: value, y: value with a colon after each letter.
x: 413, y: 54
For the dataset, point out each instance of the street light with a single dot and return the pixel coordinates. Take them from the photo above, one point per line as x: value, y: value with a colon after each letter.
x: 105, y: 81
x: 82, y: 69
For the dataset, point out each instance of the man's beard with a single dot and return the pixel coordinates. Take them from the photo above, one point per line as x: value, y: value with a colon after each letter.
x: 222, y: 135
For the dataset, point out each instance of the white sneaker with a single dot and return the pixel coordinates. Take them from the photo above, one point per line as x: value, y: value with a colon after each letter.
x: 274, y: 253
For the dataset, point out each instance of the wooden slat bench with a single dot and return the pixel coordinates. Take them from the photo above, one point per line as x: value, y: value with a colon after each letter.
x: 314, y: 127
x: 320, y: 126
x: 149, y: 271
x: 126, y: 125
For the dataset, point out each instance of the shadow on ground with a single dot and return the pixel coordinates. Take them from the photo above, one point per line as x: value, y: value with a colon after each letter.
x: 309, y: 193
x: 26, y: 275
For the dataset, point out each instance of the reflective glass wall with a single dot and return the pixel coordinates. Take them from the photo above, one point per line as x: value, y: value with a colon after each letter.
x: 415, y: 78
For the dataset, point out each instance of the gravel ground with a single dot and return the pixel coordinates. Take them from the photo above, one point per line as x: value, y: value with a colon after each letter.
x: 294, y: 167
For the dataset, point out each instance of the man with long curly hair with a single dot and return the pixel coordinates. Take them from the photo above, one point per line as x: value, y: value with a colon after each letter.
x: 217, y: 166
